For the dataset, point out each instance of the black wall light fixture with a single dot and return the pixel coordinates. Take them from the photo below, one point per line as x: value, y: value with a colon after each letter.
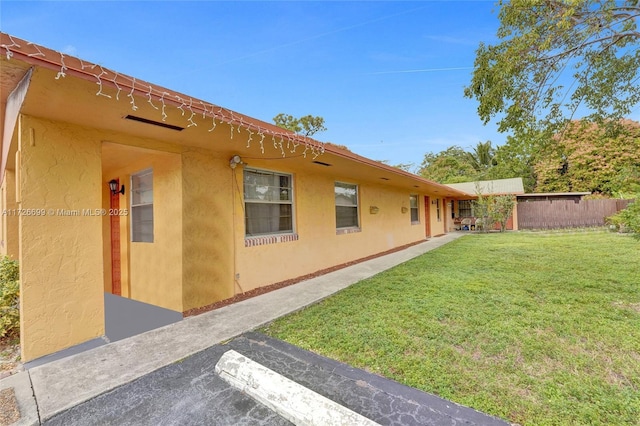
x: 113, y: 186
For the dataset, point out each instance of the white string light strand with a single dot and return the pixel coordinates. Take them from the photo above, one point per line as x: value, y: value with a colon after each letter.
x: 250, y: 138
x: 150, y: 97
x: 235, y: 121
x: 115, y: 82
x: 133, y: 101
x: 38, y: 53
x: 240, y: 125
x: 83, y: 66
x: 182, y: 104
x: 204, y: 110
x: 8, y: 46
x: 99, y: 83
x: 191, y: 122
x: 63, y: 68
x: 164, y: 114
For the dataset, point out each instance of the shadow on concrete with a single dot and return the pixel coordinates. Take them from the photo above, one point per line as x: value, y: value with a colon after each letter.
x: 127, y: 317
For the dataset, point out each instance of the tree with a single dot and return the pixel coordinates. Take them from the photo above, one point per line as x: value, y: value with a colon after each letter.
x: 628, y: 220
x: 407, y: 167
x: 502, y: 209
x: 482, y: 212
x: 515, y: 159
x: 585, y: 158
x: 482, y: 158
x: 491, y: 209
x: 448, y: 166
x: 523, y: 78
x: 455, y: 165
x: 307, y: 125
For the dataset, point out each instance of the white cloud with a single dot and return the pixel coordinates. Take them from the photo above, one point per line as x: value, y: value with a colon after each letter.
x: 70, y: 50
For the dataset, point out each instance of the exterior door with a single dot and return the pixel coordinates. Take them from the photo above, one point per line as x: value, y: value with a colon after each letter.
x: 116, y: 276
x: 446, y: 212
x: 427, y: 216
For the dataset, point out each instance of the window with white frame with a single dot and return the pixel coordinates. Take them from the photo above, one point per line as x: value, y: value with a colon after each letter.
x: 438, y: 209
x: 346, y: 205
x: 142, y: 206
x: 268, y: 202
x: 413, y: 206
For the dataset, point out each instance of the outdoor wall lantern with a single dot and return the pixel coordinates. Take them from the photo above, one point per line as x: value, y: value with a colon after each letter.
x: 373, y: 209
x: 404, y: 209
x: 234, y: 161
x: 113, y: 186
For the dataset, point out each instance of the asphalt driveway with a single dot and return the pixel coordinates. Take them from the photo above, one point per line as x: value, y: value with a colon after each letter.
x: 189, y: 392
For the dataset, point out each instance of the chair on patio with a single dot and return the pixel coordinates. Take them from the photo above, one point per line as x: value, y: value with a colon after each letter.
x: 465, y: 224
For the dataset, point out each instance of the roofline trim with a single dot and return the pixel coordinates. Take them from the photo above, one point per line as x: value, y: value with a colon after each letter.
x: 126, y: 85
x: 37, y: 55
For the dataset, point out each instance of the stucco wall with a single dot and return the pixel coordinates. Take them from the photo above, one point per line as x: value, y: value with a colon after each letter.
x: 198, y: 255
x: 151, y: 272
x: 319, y: 245
x: 9, y: 246
x: 207, y: 244
x: 61, y: 268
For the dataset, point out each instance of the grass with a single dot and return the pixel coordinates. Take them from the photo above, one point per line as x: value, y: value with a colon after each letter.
x: 530, y: 327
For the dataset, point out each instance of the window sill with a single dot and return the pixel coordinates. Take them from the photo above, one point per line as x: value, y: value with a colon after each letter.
x: 415, y: 223
x: 269, y: 239
x: 342, y: 231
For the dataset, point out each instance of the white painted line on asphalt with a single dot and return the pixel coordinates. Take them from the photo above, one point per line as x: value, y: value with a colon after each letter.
x: 294, y: 402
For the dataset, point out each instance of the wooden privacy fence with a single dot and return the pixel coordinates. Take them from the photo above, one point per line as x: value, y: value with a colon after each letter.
x: 567, y: 213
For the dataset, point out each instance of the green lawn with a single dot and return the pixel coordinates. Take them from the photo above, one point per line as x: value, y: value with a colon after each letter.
x: 534, y: 328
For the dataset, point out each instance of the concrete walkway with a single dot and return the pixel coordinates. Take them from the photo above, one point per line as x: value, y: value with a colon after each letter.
x: 65, y: 383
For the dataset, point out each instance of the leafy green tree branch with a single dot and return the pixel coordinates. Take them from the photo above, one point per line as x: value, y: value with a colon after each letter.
x: 556, y: 57
x: 307, y: 125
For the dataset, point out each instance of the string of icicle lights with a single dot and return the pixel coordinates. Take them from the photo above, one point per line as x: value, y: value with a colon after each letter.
x: 113, y: 85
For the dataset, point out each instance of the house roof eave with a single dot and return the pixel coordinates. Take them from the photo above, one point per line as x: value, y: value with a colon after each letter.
x: 70, y: 66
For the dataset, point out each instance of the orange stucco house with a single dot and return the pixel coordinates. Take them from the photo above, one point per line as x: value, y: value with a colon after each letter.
x: 206, y: 202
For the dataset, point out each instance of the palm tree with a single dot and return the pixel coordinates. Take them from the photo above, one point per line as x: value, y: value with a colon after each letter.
x: 482, y: 158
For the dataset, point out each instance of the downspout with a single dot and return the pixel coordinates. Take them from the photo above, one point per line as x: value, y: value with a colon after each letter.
x: 12, y: 111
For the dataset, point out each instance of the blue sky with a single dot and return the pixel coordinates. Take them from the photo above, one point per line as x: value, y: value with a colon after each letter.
x: 387, y: 76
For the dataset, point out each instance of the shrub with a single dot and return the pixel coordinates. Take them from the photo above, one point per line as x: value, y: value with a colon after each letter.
x: 492, y: 209
x: 628, y: 220
x: 9, y: 297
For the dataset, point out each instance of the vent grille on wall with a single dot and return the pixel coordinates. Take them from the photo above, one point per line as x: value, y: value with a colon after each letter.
x: 154, y: 123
